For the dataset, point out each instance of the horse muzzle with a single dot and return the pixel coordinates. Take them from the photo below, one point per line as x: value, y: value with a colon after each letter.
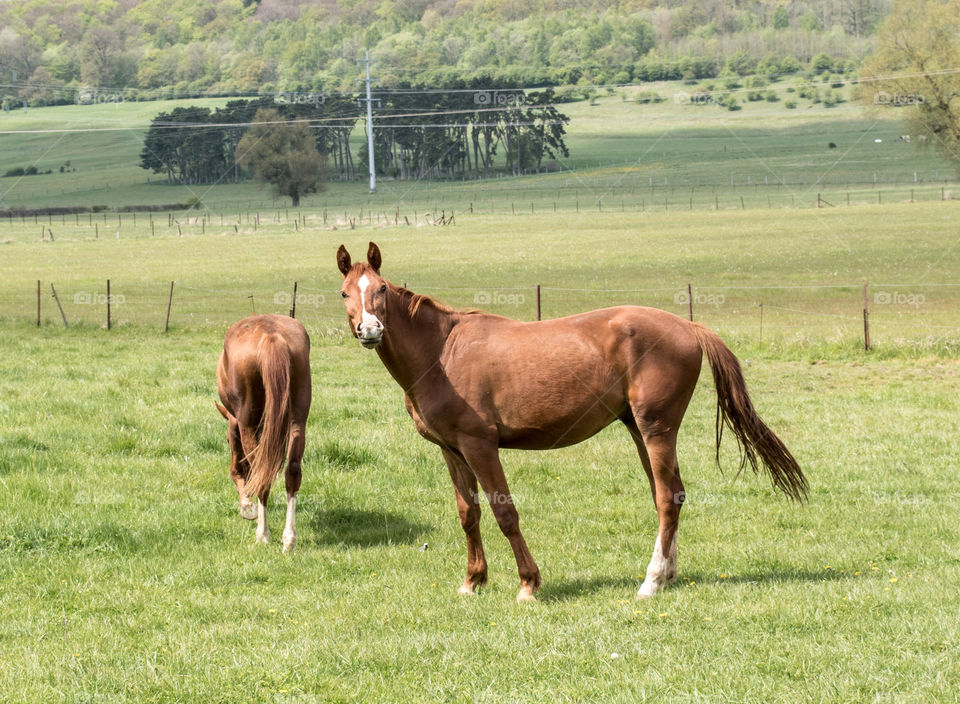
x: 370, y: 335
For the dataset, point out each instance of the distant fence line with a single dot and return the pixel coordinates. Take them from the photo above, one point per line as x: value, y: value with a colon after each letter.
x: 119, y: 219
x: 899, y: 311
x: 117, y: 223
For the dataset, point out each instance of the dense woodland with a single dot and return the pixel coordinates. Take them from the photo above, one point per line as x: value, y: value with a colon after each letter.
x: 63, y: 51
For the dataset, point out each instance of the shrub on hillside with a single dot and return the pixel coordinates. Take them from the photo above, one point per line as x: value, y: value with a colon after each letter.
x: 821, y: 62
x: 649, y: 96
x: 28, y: 171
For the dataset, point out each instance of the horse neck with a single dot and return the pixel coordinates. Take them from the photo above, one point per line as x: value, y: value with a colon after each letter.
x: 414, y: 342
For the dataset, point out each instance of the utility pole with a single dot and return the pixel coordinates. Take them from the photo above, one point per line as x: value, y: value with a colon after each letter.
x: 373, y: 170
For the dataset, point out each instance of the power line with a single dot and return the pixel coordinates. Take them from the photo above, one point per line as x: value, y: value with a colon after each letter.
x: 319, y: 123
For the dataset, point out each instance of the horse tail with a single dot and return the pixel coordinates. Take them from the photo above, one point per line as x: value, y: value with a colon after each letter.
x: 268, y: 455
x: 735, y: 411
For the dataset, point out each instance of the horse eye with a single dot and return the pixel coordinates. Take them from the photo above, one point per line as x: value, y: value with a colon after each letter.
x: 343, y: 294
x: 383, y: 289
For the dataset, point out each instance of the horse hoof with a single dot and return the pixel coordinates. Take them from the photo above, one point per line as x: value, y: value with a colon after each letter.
x: 525, y: 595
x: 289, y: 544
x: 647, y: 590
x: 468, y: 589
x: 248, y: 510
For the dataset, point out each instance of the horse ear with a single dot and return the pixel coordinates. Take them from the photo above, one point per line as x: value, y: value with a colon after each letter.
x: 343, y: 260
x: 223, y: 411
x: 373, y: 257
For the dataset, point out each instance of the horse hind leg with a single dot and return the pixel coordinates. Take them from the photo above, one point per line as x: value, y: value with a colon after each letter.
x: 239, y: 470
x: 292, y: 478
x: 248, y: 440
x: 668, y: 497
x: 659, y: 458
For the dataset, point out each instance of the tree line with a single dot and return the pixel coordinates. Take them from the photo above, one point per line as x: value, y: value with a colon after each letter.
x: 452, y: 134
x: 459, y: 133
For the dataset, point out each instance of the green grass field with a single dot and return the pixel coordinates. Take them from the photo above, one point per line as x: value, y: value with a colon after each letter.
x: 129, y: 576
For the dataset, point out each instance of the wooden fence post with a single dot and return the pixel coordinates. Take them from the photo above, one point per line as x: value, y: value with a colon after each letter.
x: 166, y: 325
x: 108, y: 304
x: 538, y: 302
x: 62, y: 314
x: 38, y: 303
x: 761, y: 323
x: 293, y: 306
x: 866, y: 320
x: 690, y: 301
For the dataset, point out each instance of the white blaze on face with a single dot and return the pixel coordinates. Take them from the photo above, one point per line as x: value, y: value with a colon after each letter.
x: 368, y: 321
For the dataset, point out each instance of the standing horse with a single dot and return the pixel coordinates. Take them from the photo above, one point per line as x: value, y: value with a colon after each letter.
x: 263, y: 378
x: 476, y: 382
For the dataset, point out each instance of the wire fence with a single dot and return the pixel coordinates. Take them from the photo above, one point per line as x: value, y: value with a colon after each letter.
x: 569, y: 192
x: 919, y: 314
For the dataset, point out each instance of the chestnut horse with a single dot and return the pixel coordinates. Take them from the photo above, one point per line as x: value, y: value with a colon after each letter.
x: 476, y: 382
x: 263, y: 378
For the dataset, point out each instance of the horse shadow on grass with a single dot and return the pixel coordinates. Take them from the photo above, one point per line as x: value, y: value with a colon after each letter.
x: 568, y: 589
x: 361, y: 528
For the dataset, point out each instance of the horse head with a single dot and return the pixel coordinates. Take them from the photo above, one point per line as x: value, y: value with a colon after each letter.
x: 364, y: 294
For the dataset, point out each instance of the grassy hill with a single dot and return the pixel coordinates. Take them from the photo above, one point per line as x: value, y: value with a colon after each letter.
x: 628, y: 153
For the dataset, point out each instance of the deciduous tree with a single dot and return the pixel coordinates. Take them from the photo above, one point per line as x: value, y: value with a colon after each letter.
x: 915, y: 69
x: 282, y: 153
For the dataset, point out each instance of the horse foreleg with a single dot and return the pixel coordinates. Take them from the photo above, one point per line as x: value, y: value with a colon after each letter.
x: 468, y: 506
x: 484, y: 460
x: 292, y: 479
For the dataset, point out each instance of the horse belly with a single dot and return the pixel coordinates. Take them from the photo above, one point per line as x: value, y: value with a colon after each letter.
x: 550, y: 405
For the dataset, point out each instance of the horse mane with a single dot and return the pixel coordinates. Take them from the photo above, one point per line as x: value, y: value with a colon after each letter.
x: 417, y: 300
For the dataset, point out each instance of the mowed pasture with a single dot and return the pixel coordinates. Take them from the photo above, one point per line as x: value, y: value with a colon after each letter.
x: 129, y: 575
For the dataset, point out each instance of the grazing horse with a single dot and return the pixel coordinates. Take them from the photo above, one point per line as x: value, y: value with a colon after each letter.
x: 476, y: 382
x: 263, y: 378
